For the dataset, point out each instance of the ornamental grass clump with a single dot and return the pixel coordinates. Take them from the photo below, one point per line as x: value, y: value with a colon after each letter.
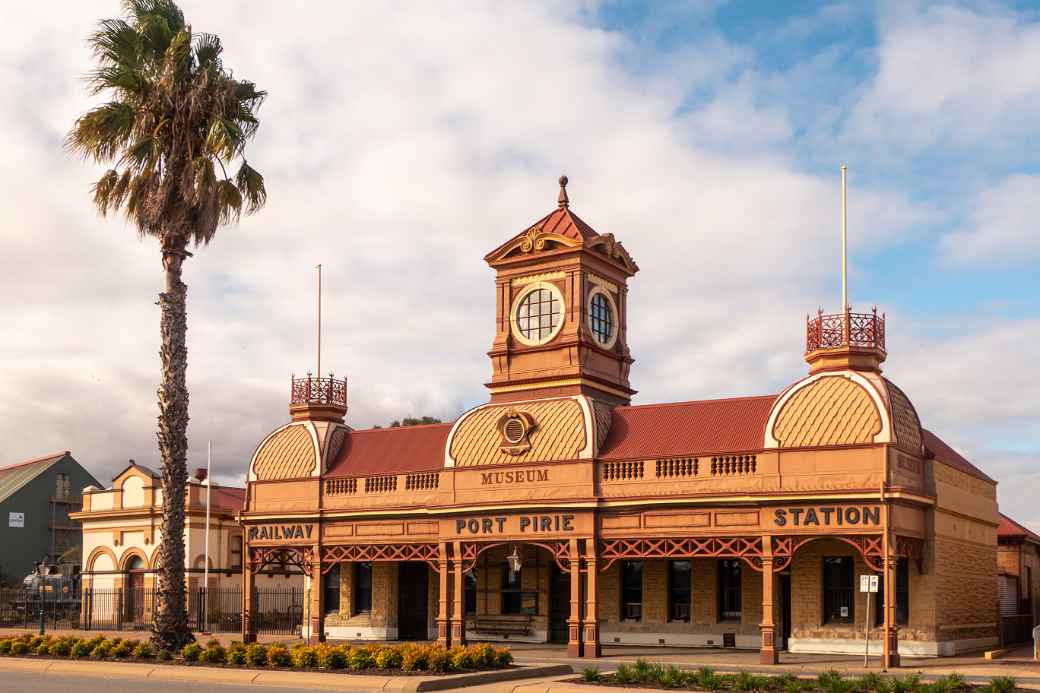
x: 361, y: 658
x: 213, y: 653
x: 389, y: 658
x: 414, y: 657
x: 438, y: 660
x: 124, y: 649
x: 191, y: 652
x: 143, y: 650
x: 5, y: 646
x: 1002, y: 684
x: 101, y: 650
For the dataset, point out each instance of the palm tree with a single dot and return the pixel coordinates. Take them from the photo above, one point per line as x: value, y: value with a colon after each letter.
x: 174, y: 122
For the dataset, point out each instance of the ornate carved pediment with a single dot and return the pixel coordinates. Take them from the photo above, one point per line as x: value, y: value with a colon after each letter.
x: 515, y: 428
x: 606, y: 244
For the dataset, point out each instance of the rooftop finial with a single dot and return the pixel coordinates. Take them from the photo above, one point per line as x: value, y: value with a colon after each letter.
x: 563, y: 201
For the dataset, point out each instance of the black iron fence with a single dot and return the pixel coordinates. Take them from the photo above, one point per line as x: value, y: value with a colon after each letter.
x: 219, y: 610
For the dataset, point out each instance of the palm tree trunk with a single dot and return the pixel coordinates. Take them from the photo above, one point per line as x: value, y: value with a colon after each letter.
x: 170, y: 628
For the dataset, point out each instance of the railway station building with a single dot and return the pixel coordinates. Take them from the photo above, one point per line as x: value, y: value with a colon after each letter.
x: 559, y: 511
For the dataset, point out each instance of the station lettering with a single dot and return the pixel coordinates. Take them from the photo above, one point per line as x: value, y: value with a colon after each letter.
x: 528, y: 476
x: 280, y: 532
x: 524, y: 524
x: 828, y: 516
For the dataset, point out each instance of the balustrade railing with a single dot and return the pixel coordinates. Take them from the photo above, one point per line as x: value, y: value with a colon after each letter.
x: 863, y: 330
x: 311, y: 390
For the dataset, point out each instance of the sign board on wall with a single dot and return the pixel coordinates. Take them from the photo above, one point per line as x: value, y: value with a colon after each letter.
x: 16, y: 519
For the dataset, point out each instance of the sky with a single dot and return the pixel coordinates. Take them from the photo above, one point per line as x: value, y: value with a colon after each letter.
x: 402, y: 141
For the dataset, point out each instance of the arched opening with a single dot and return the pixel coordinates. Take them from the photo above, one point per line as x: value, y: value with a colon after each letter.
x: 134, y: 592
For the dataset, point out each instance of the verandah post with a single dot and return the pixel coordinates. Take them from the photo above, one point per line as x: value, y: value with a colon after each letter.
x: 591, y: 645
x: 767, y: 653
x: 574, y: 621
x: 443, y: 596
x: 458, y: 611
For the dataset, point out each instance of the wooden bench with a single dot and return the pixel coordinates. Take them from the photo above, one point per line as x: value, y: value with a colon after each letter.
x: 503, y: 625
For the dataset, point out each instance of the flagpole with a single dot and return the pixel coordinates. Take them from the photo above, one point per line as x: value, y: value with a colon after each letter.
x: 844, y: 258
x: 318, y: 373
x: 209, y: 490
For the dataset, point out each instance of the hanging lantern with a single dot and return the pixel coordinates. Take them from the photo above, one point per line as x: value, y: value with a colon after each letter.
x: 515, y: 564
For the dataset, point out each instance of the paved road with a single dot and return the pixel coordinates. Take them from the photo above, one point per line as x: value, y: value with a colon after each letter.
x: 25, y: 682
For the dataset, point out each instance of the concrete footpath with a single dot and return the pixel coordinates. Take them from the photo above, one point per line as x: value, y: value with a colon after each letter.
x: 275, y: 678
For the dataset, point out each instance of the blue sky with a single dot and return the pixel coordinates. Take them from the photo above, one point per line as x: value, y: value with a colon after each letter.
x: 402, y: 142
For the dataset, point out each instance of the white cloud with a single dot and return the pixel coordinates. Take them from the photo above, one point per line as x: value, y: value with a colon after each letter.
x: 951, y: 76
x: 1003, y: 227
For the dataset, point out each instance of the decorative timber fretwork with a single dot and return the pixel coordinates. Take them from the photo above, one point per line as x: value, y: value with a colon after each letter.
x: 331, y: 555
x: 870, y: 547
x: 911, y: 548
x: 559, y: 550
x: 264, y: 559
x: 746, y: 548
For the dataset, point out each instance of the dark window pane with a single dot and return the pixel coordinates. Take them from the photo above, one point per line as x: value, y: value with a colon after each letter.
x: 512, y: 596
x: 838, y: 594
x: 902, y: 595
x: 679, y: 583
x: 631, y: 590
x: 729, y: 589
x: 362, y: 587
x: 601, y: 319
x: 331, y: 587
x: 471, y: 591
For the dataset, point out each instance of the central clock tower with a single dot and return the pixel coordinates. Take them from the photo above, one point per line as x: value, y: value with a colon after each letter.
x: 561, y: 308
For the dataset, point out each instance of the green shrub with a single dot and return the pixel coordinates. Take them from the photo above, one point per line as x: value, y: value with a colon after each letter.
x: 503, y: 656
x: 389, y: 658
x: 82, y: 648
x: 707, y: 679
x: 746, y: 681
x: 42, y: 649
x: 124, y: 649
x: 361, y: 658
x: 908, y: 684
x: 461, y: 658
x: 19, y: 647
x: 438, y: 659
x: 143, y: 650
x: 671, y: 677
x: 483, y: 655
x: 214, y: 653
x: 191, y: 652
x: 625, y: 675
x: 236, y: 654
x: 590, y: 674
x: 1002, y: 684
x: 871, y: 681
x: 101, y: 650
x: 5, y: 646
x: 164, y: 655
x: 60, y: 648
x: 256, y: 654
x: 304, y: 657
x: 278, y: 656
x: 414, y: 657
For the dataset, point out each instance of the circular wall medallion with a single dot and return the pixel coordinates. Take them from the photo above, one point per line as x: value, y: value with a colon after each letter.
x: 514, y: 430
x: 538, y: 314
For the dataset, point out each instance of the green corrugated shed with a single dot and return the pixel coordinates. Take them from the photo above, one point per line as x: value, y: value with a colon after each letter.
x: 36, y: 497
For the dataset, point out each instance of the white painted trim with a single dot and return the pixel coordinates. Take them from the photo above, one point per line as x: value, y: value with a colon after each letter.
x: 251, y: 476
x: 883, y: 436
x: 908, y: 648
x: 530, y: 288
x: 355, y: 632
x: 536, y: 636
x: 589, y: 451
x: 743, y: 642
x: 598, y: 289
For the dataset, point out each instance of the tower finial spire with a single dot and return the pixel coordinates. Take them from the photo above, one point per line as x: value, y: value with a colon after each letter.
x: 563, y: 201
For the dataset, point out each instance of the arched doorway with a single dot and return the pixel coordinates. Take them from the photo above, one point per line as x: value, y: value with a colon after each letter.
x: 134, y: 595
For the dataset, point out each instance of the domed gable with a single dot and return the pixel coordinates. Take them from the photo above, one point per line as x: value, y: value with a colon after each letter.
x: 297, y: 450
x: 843, y: 408
x: 546, y: 430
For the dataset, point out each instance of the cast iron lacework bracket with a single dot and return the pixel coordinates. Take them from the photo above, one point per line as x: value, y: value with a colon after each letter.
x: 427, y: 553
x: 472, y: 550
x: 747, y: 549
x: 262, y: 557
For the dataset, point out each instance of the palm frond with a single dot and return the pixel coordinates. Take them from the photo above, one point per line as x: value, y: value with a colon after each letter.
x: 116, y: 43
x: 230, y: 201
x: 251, y: 185
x: 102, y: 132
x: 102, y: 190
x: 207, y: 51
x: 224, y: 138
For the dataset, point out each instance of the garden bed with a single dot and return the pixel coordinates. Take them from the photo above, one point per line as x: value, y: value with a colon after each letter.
x: 384, y: 660
x: 644, y: 674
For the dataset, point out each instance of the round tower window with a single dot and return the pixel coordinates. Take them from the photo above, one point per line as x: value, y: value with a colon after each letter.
x: 538, y: 315
x: 602, y: 318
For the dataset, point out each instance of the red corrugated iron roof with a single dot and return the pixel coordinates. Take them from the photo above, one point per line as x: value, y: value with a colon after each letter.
x: 229, y: 497
x: 391, y: 451
x: 688, y: 428
x: 944, y: 453
x: 1009, y: 529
